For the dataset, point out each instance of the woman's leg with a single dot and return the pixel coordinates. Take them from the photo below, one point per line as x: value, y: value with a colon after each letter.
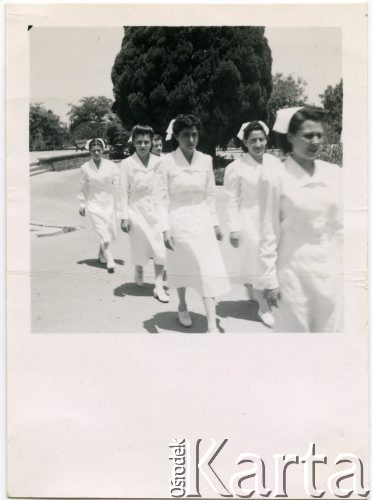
x: 138, y: 275
x: 183, y: 313
x: 102, y: 259
x: 108, y: 256
x: 210, y: 309
x: 182, y: 306
x: 159, y: 292
x: 264, y: 311
x: 250, y: 292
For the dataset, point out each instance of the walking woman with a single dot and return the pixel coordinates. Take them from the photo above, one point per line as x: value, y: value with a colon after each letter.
x: 138, y: 210
x: 185, y: 188
x: 241, y: 186
x: 99, y: 196
x: 301, y: 229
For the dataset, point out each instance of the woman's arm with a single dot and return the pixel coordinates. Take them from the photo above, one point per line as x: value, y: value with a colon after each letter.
x: 269, y: 202
x: 161, y: 202
x: 211, y: 200
x: 231, y: 184
x: 123, y: 193
x: 84, y: 190
x: 161, y: 195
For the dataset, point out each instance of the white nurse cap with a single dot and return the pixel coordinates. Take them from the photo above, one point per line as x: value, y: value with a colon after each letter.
x: 283, y: 118
x: 240, y: 134
x: 168, y: 137
x: 101, y: 141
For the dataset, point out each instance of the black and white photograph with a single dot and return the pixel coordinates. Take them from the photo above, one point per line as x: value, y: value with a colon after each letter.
x: 186, y: 251
x: 186, y: 179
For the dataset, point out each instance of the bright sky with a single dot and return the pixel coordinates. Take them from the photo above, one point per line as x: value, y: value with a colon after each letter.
x: 67, y: 64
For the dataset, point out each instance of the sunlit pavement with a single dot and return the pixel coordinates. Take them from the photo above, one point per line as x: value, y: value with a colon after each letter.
x: 72, y: 293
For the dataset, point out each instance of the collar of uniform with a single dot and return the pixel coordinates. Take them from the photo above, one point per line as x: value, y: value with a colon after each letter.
x: 94, y: 166
x: 299, y: 172
x: 181, y: 158
x: 137, y: 159
x: 247, y: 158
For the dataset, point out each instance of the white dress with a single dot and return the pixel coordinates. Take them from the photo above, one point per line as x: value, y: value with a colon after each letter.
x: 301, y: 245
x: 241, y: 186
x: 99, y: 195
x: 137, y: 204
x: 186, y: 195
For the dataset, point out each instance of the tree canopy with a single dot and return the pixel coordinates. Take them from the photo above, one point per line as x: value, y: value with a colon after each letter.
x: 222, y: 74
x: 93, y: 117
x: 287, y: 91
x: 46, y: 131
x: 332, y: 103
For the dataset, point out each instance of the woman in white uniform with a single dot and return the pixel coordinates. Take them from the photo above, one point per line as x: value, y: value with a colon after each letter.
x: 241, y: 186
x: 138, y: 209
x: 99, y: 196
x: 185, y: 188
x: 301, y: 229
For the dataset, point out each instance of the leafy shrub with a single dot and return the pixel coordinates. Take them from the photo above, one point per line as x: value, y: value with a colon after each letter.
x: 332, y: 153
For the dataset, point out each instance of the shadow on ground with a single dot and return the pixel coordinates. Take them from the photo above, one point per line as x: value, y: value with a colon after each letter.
x: 168, y: 321
x: 134, y: 290
x: 240, y: 309
x: 96, y: 263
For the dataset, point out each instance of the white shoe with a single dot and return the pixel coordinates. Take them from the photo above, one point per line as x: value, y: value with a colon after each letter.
x: 184, y: 318
x: 111, y: 266
x: 138, y: 277
x: 267, y: 318
x: 213, y: 329
x: 159, y: 293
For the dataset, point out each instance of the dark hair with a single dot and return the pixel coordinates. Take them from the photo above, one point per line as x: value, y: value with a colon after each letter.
x: 96, y: 142
x: 303, y: 114
x: 142, y: 130
x: 251, y: 127
x: 157, y: 137
x: 184, y: 121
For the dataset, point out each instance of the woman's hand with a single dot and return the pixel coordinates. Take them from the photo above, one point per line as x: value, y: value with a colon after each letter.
x: 272, y: 296
x: 218, y: 233
x: 82, y: 211
x: 168, y: 240
x: 235, y: 238
x: 125, y: 225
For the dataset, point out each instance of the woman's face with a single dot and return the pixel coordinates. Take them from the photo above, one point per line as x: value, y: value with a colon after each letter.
x: 96, y: 152
x: 157, y: 147
x: 188, y: 139
x: 142, y: 144
x: 256, y: 143
x: 307, y: 141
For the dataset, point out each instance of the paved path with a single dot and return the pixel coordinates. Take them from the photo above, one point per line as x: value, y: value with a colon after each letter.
x: 72, y: 293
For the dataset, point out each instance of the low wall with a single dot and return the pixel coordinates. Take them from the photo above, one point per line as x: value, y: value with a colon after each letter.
x: 64, y: 162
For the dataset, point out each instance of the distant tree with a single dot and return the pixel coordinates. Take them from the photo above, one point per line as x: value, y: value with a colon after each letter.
x: 222, y: 74
x: 115, y: 132
x: 89, y: 118
x: 287, y: 91
x: 332, y: 103
x: 46, y: 131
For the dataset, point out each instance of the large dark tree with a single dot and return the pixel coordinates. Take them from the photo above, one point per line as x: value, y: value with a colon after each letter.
x: 222, y: 74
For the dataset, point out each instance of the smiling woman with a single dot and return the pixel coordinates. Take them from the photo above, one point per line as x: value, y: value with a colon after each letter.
x: 137, y: 209
x: 301, y: 229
